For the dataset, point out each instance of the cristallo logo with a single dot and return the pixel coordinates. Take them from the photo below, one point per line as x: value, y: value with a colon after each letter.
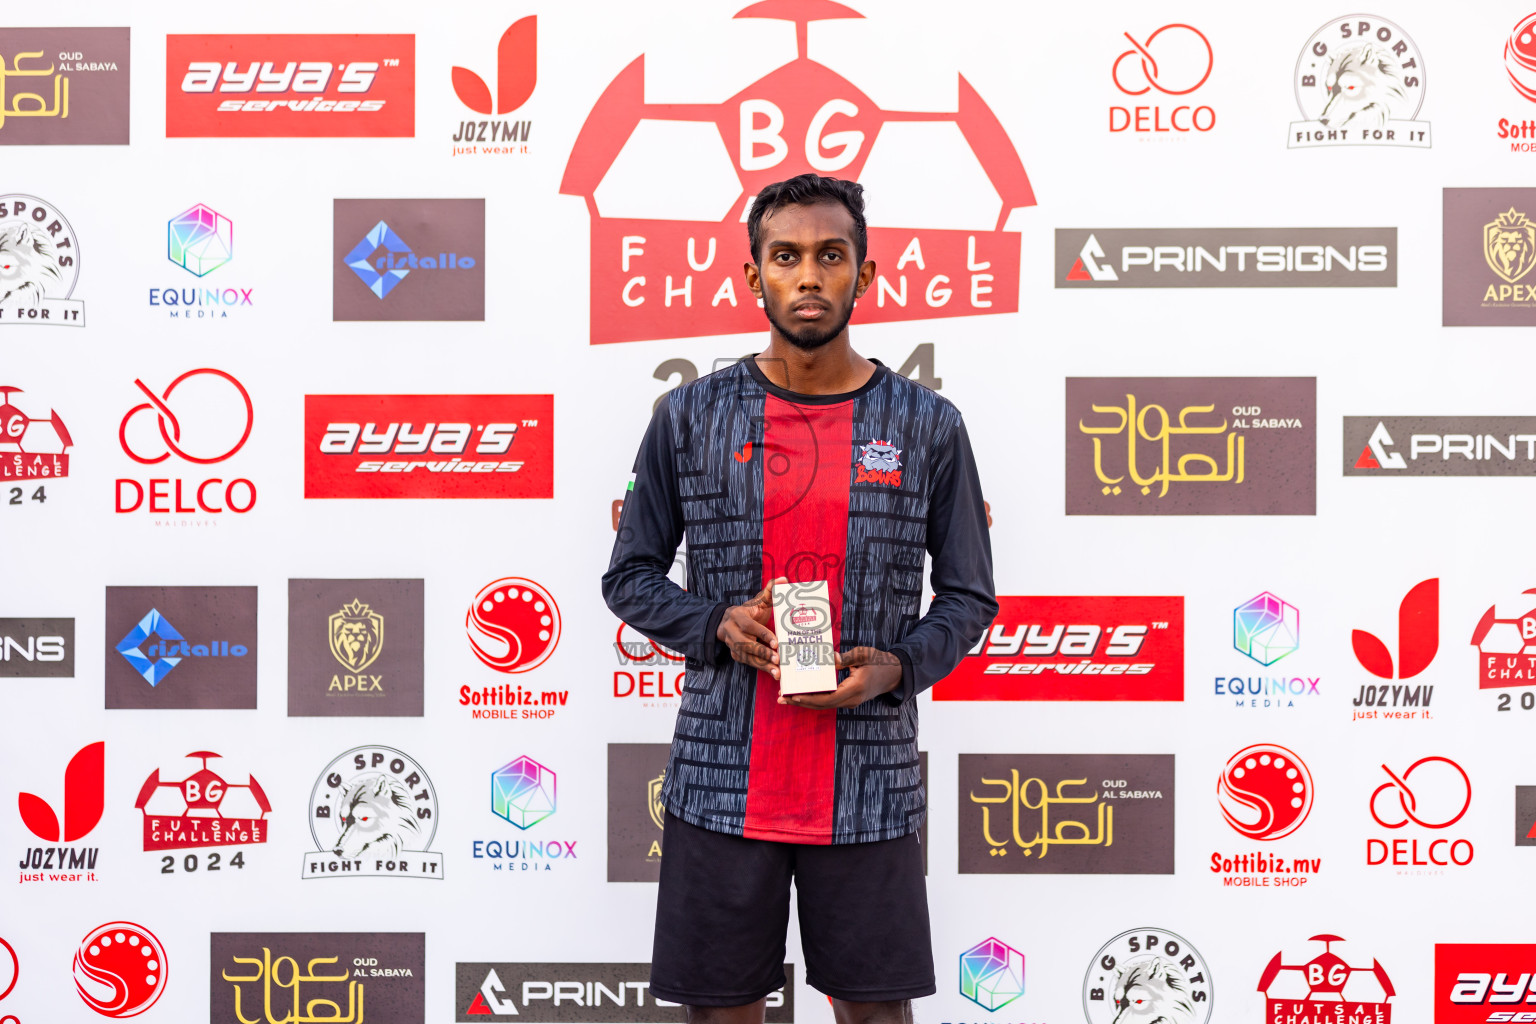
x: 664, y: 258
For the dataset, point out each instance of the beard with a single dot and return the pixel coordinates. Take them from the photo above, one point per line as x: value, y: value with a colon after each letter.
x: 811, y: 335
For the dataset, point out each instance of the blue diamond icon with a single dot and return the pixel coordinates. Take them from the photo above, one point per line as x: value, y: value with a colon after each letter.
x: 380, y: 282
x: 130, y: 647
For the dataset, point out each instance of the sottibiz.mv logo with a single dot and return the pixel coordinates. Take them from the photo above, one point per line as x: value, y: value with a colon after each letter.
x: 666, y: 248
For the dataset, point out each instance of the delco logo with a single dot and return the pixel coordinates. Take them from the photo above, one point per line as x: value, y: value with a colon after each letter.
x: 270, y: 86
x: 429, y: 446
x: 1075, y: 648
x: 664, y: 262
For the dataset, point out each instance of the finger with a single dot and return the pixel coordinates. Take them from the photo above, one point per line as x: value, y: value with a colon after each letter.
x: 765, y: 596
x: 756, y: 656
x: 853, y: 657
x: 757, y: 632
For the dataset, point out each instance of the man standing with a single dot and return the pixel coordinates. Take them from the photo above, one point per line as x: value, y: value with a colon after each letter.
x: 807, y: 462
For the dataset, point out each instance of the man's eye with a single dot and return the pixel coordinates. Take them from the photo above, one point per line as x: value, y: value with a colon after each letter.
x: 832, y: 257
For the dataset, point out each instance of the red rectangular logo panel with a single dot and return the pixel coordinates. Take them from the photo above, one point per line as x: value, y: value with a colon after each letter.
x: 1075, y: 648
x: 429, y: 446
x: 1482, y: 982
x: 287, y: 86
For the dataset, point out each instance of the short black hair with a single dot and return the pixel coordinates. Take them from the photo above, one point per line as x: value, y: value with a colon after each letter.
x: 807, y: 190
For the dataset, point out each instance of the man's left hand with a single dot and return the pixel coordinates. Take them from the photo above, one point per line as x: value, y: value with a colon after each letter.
x: 870, y: 673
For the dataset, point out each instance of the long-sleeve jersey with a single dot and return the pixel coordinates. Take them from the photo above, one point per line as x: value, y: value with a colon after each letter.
x: 849, y: 488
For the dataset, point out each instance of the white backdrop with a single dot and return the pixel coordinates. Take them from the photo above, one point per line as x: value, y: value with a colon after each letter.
x: 1044, y: 71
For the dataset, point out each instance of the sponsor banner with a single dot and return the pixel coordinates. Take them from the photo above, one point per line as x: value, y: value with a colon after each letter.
x: 120, y: 969
x: 1488, y: 250
x: 1479, y: 982
x: 64, y: 86
x: 373, y: 813
x: 1359, y: 82
x: 635, y: 813
x: 1153, y: 974
x: 666, y: 262
x: 202, y: 809
x: 37, y: 648
x: 408, y: 259
x: 1066, y: 814
x: 1075, y: 648
x: 1191, y: 446
x: 181, y: 647
x: 355, y: 647
x: 31, y: 447
x: 429, y: 446
x: 1440, y: 445
x: 1525, y: 815
x: 1266, y: 629
x: 516, y: 74
x: 79, y: 810
x: 1226, y: 257
x: 1418, y: 641
x: 1326, y: 989
x: 203, y: 416
x: 1520, y: 64
x: 524, y: 793
x: 42, y: 257
x: 1505, y: 638
x: 1432, y: 793
x: 992, y: 974
x: 248, y: 978
x: 585, y: 993
x: 306, y: 86
x: 1172, y: 61
x: 200, y: 240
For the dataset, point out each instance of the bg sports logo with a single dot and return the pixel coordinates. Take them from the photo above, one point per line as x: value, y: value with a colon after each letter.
x: 660, y: 267
x: 429, y: 446
x: 1075, y: 648
x: 308, y: 86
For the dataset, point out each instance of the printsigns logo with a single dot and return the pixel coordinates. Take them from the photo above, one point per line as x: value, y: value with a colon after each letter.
x: 37, y: 648
x: 1075, y: 648
x: 429, y: 446
x: 1088, y: 814
x: 277, y: 86
x: 1174, y: 60
x: 31, y: 448
x: 1359, y: 82
x: 202, y: 810
x: 1191, y: 446
x: 84, y: 798
x: 992, y: 974
x: 384, y: 970
x: 543, y: 992
x: 516, y: 75
x: 1266, y: 628
x: 207, y: 422
x: 1265, y: 792
x: 339, y: 662
x: 1418, y: 636
x: 373, y: 814
x: 1148, y: 974
x: 1226, y: 258
x: 1525, y: 815
x: 655, y: 267
x: 1440, y: 445
x: 211, y: 650
x: 409, y: 259
x: 1488, y: 251
x: 64, y: 86
x: 1326, y: 987
x: 120, y: 969
x: 1505, y: 639
x: 39, y: 264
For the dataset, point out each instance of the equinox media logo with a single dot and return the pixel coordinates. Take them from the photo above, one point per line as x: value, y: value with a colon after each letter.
x: 992, y: 974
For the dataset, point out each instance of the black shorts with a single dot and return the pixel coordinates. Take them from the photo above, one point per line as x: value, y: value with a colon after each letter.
x: 722, y: 913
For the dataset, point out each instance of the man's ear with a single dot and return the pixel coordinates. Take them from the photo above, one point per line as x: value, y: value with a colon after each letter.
x: 755, y: 279
x: 866, y: 278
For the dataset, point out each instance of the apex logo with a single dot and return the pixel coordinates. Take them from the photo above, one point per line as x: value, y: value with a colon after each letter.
x: 1375, y: 455
x: 516, y: 73
x: 84, y: 787
x: 491, y: 998
x: 1418, y: 636
x: 1087, y: 267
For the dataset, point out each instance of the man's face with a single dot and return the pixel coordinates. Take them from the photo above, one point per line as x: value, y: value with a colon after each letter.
x: 807, y: 274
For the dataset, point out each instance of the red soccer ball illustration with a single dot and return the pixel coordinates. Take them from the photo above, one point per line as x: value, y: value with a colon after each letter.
x: 120, y: 969
x: 513, y: 625
x: 1265, y: 791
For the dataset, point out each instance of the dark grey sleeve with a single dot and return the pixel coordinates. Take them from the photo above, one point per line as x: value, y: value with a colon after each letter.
x: 636, y: 587
x: 964, y: 602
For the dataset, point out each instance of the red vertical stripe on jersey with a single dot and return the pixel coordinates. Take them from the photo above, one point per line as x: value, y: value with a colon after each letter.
x: 806, y: 466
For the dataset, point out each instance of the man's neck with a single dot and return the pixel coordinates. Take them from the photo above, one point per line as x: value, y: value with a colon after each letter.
x: 833, y: 369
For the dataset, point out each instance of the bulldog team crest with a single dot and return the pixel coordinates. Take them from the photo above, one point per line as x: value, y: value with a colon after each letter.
x: 665, y: 262
x: 1509, y: 245
x: 373, y: 812
x: 357, y: 636
x: 879, y: 463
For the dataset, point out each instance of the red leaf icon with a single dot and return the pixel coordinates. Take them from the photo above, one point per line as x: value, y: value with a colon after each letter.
x: 84, y: 790
x: 38, y: 817
x: 1372, y: 654
x: 1418, y: 629
x: 471, y: 90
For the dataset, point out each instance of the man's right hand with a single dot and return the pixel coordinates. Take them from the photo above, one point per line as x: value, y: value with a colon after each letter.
x: 744, y: 631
